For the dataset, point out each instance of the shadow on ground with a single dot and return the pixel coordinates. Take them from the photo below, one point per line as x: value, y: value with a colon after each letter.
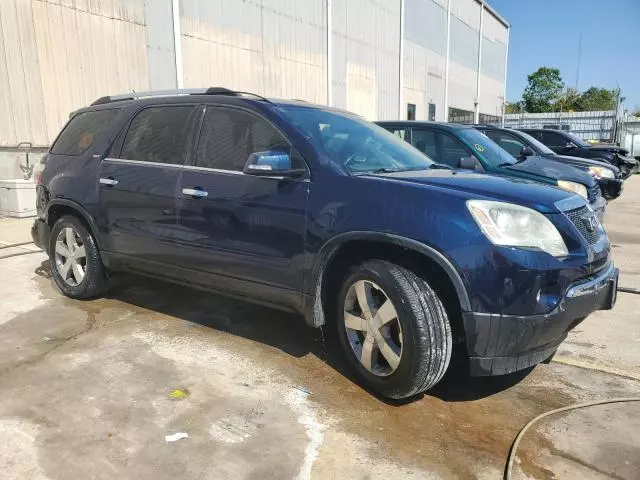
x: 282, y: 330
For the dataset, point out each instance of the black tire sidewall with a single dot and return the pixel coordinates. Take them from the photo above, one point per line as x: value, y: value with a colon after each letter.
x: 406, y: 371
x: 94, y: 271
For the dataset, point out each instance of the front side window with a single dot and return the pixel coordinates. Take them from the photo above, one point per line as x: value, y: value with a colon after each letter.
x: 228, y: 137
x: 484, y: 148
x: 158, y: 135
x: 352, y: 144
x: 450, y: 150
x: 554, y: 139
x: 537, y: 145
x: 424, y: 140
x: 82, y: 130
x: 510, y: 143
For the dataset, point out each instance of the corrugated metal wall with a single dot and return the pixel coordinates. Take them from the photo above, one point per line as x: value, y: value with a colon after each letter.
x: 58, y: 55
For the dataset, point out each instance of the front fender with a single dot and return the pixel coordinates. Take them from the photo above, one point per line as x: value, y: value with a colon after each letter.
x: 313, y: 308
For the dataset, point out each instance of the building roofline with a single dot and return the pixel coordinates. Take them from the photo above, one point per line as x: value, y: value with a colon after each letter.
x: 493, y: 12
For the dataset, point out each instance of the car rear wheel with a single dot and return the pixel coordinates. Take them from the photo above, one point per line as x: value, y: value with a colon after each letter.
x: 394, y: 329
x: 76, y: 265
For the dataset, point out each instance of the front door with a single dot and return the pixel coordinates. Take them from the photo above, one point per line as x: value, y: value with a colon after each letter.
x: 248, y: 232
x: 138, y: 185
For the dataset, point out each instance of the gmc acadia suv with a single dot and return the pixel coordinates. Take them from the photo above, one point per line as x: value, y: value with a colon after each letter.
x: 315, y: 210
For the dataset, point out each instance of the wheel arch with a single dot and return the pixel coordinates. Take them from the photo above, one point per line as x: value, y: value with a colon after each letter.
x: 59, y: 207
x: 345, y: 250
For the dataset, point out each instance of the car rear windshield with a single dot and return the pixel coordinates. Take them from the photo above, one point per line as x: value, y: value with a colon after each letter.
x: 353, y: 144
x: 483, y: 146
x: 81, y: 131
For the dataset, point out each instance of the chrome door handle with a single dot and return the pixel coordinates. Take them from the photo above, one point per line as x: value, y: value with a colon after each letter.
x: 193, y: 192
x: 108, y: 181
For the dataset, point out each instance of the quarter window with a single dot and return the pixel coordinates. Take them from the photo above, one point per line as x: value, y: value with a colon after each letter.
x: 158, y: 135
x: 228, y: 137
x: 81, y: 131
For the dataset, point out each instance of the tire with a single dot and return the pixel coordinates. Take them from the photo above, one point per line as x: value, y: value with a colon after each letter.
x: 93, y: 282
x: 420, y: 318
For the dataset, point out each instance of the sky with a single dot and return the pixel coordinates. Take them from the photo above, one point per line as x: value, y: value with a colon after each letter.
x: 547, y: 33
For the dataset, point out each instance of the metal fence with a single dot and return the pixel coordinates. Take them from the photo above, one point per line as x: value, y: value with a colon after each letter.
x: 598, y: 126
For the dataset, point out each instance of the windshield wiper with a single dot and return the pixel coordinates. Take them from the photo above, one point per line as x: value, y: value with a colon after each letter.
x: 387, y: 170
x: 440, y: 166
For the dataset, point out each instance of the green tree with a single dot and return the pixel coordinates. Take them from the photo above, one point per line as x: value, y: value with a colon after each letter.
x: 598, y: 99
x: 543, y: 90
x: 513, y: 107
x: 569, y: 101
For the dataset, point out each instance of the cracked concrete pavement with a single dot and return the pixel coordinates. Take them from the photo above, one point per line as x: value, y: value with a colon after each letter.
x: 86, y: 389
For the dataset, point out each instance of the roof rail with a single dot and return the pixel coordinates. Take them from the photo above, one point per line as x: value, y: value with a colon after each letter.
x: 170, y: 93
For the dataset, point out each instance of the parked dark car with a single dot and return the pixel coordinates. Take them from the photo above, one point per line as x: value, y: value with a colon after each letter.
x: 521, y: 145
x: 566, y: 143
x: 462, y: 146
x: 317, y: 211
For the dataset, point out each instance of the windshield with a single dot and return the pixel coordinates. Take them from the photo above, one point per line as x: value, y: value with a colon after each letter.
x: 354, y: 144
x: 578, y: 141
x: 483, y: 146
x: 538, y: 146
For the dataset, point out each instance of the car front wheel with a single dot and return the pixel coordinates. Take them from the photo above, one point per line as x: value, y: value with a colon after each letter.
x: 394, y: 329
x: 76, y: 265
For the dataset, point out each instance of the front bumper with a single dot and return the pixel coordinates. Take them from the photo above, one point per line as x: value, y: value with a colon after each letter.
x: 500, y: 344
x: 40, y: 234
x: 611, y: 188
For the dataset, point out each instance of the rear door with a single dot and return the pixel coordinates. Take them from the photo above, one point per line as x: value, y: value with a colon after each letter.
x: 247, y: 232
x: 139, y: 181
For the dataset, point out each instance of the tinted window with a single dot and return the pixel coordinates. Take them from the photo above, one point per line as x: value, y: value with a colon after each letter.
x: 82, y: 131
x: 537, y: 145
x: 536, y: 134
x: 228, y: 137
x: 352, y: 144
x: 450, y: 150
x: 158, y: 134
x: 510, y: 143
x: 554, y: 139
x: 424, y: 140
x: 483, y: 147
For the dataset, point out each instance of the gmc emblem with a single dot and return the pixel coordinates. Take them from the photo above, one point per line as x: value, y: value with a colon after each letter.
x: 591, y: 222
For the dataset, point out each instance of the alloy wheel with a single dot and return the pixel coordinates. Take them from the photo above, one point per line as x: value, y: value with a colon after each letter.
x: 373, y: 328
x: 70, y: 256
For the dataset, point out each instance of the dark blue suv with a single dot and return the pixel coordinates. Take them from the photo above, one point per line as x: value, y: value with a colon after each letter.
x: 318, y: 211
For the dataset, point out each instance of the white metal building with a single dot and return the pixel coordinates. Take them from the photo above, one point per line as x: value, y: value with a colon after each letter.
x: 383, y: 59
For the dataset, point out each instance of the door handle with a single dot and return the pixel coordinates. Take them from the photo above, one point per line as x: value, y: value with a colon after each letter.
x: 109, y: 181
x: 195, y: 192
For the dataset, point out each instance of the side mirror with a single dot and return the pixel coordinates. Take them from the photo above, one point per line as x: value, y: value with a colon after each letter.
x: 468, y: 163
x: 272, y: 163
x: 527, y: 152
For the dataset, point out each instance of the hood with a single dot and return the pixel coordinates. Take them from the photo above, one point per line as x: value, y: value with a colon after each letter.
x: 554, y: 169
x: 609, y: 147
x: 581, y: 162
x: 490, y: 187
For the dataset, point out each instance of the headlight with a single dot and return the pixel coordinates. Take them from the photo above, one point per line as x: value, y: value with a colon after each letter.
x: 602, y: 172
x: 574, y: 187
x: 511, y: 225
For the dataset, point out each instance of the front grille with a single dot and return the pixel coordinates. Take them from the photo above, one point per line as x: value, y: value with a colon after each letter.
x: 580, y: 218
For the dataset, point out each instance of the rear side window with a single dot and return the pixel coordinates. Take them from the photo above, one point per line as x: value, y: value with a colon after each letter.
x: 158, y: 135
x: 82, y: 131
x: 228, y: 137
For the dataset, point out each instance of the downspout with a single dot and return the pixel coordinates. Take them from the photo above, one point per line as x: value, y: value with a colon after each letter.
x: 446, y: 65
x: 506, y: 61
x: 479, y: 73
x: 177, y: 43
x: 401, y: 63
x: 329, y: 55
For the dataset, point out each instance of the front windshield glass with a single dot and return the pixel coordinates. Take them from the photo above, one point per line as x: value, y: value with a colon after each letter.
x: 578, y: 141
x: 354, y: 144
x: 482, y: 145
x: 538, y: 146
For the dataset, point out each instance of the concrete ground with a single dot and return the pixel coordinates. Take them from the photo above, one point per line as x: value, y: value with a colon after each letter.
x: 91, y: 389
